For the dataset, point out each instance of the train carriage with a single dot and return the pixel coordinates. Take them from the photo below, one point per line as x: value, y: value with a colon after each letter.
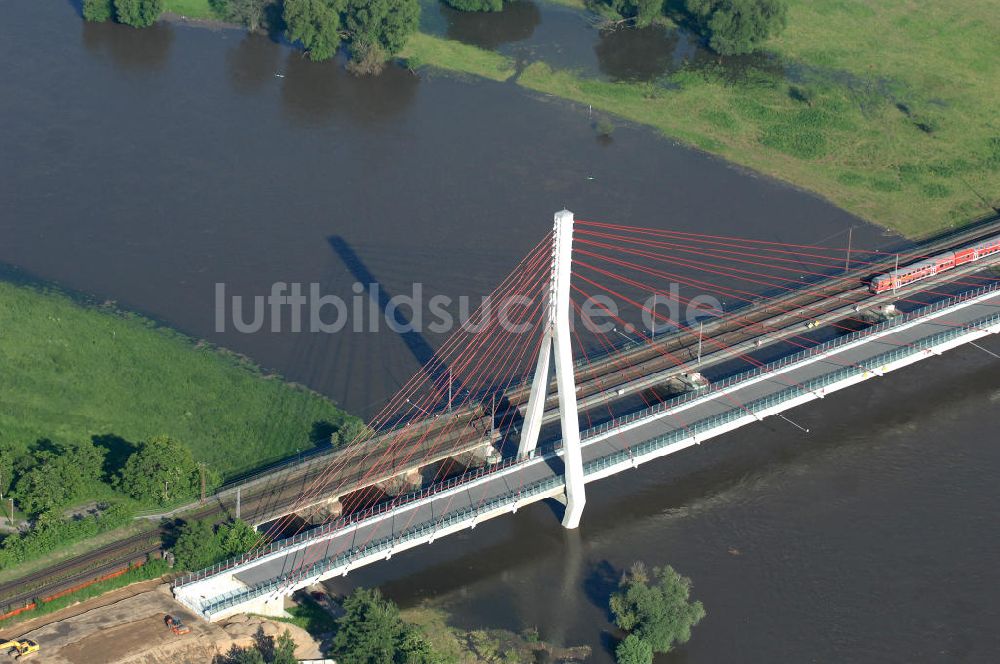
x: 934, y: 265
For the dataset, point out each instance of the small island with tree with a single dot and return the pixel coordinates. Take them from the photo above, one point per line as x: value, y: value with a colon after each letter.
x: 655, y: 610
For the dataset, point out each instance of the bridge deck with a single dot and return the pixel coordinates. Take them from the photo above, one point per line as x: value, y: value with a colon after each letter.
x: 605, y: 450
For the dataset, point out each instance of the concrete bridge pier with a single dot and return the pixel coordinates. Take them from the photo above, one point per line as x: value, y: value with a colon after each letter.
x: 328, y: 510
x: 411, y: 480
x: 480, y: 456
x: 268, y: 605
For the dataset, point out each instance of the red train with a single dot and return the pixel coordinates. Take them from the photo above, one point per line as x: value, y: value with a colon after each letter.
x: 935, y: 264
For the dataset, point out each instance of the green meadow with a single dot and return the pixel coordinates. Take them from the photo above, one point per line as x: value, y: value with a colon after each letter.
x: 886, y: 109
x: 71, y: 372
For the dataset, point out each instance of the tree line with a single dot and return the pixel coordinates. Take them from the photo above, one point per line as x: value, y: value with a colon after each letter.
x: 372, y: 31
x: 729, y: 27
x: 50, y: 477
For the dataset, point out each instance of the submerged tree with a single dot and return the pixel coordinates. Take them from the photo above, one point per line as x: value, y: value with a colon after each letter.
x: 385, y: 23
x: 633, y: 650
x: 476, y: 5
x: 737, y: 27
x: 249, y: 13
x: 138, y: 13
x: 656, y: 611
x: 637, y: 13
x: 315, y: 23
x: 98, y: 10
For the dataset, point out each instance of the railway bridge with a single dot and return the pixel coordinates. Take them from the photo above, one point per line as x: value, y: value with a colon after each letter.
x: 540, y: 398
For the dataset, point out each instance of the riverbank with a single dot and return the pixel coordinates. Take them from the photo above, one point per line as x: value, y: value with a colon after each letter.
x: 72, y: 372
x: 487, y: 645
x: 885, y: 111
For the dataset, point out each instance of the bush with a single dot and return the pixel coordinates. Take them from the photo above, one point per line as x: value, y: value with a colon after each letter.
x: 476, y: 5
x: 50, y: 533
x: 248, y: 13
x: 201, y: 544
x: 633, y: 650
x: 367, y: 59
x: 98, y: 11
x: 55, y: 474
x: 197, y: 546
x: 265, y: 650
x: 736, y: 27
x: 638, y: 13
x: 138, y: 13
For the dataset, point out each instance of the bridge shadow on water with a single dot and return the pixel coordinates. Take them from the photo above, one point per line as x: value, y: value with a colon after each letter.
x: 415, y: 342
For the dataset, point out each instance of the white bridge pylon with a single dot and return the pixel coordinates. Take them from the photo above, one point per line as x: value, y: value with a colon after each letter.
x: 557, y: 337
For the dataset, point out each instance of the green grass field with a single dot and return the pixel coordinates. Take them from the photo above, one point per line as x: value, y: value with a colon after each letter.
x: 200, y: 9
x: 71, y: 372
x: 888, y: 109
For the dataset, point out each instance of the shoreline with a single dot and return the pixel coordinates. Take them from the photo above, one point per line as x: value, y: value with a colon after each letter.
x: 883, y: 166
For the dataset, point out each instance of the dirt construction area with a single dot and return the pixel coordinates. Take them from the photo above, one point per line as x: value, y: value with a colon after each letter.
x: 133, y: 630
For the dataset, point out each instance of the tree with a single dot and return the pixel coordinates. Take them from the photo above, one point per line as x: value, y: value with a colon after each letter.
x: 369, y: 630
x: 6, y: 467
x: 387, y: 23
x: 633, y: 650
x: 138, y: 13
x: 284, y: 649
x: 201, y: 544
x: 56, y: 474
x: 639, y: 13
x: 315, y: 23
x: 98, y: 10
x: 237, y: 655
x: 476, y: 5
x: 248, y: 13
x: 735, y: 27
x: 160, y: 471
x: 349, y: 430
x: 236, y: 538
x: 265, y: 650
x: 660, y: 613
x: 414, y: 648
x: 197, y: 547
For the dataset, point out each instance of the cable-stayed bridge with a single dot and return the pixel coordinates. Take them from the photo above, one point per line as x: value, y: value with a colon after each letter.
x: 485, y: 428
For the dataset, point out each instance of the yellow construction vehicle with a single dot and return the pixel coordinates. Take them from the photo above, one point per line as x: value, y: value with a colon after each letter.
x: 20, y: 649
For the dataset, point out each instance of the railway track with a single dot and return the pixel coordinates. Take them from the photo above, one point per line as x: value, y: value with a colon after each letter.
x: 275, y: 492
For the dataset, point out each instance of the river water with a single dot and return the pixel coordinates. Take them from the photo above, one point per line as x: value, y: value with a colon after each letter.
x: 145, y: 167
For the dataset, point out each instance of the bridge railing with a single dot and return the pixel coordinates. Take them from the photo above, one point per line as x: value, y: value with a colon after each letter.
x: 320, y: 567
x: 385, y: 544
x: 343, y: 522
x: 780, y: 363
x: 470, y: 476
x: 764, y: 403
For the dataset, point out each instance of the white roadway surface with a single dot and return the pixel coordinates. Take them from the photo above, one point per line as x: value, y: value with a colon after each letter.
x: 505, y: 483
